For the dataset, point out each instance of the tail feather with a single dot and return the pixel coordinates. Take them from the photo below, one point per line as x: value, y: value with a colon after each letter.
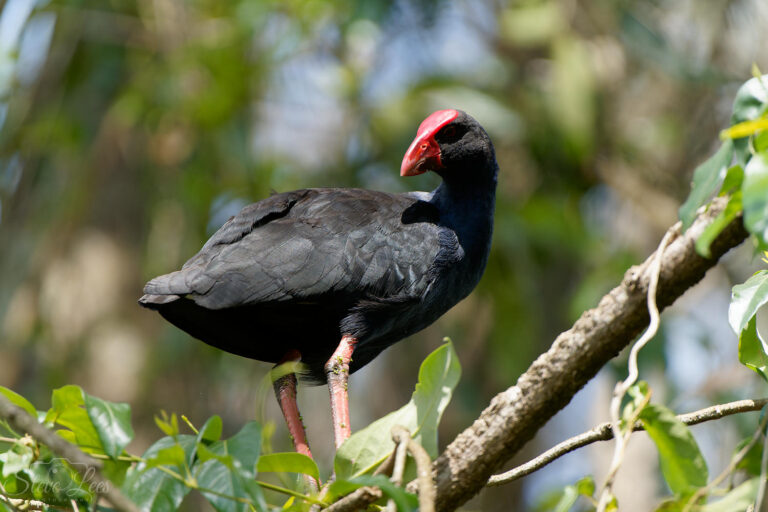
x: 156, y: 301
x: 174, y: 283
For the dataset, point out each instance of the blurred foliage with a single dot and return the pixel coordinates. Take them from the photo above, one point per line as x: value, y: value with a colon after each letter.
x: 131, y: 129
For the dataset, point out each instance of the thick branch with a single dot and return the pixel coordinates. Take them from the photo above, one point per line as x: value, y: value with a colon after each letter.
x: 515, y: 415
x: 602, y: 432
x: 89, y: 468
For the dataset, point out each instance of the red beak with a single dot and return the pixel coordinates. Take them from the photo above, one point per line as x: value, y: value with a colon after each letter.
x: 424, y: 153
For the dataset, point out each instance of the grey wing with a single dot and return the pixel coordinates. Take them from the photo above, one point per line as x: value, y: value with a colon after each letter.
x: 339, y: 245
x: 168, y: 287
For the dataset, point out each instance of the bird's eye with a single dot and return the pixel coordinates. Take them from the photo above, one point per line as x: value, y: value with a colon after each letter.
x: 449, y: 133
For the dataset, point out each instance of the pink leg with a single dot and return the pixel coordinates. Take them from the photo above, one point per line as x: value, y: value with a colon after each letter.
x: 285, y: 390
x: 337, y: 369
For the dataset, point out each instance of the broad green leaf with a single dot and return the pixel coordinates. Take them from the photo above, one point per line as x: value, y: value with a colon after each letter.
x: 229, y: 471
x: 737, y: 500
x: 755, y: 188
x: 115, y: 470
x: 364, y: 450
x: 173, y: 455
x: 718, y: 224
x: 112, y: 422
x: 17, y: 399
x: 153, y: 489
x: 750, y: 104
x: 211, y: 430
x: 68, y: 410
x: 18, y: 458
x: 751, y: 351
x: 682, y: 464
x: 289, y: 462
x: 204, y: 454
x: 706, y: 180
x: 746, y: 299
x: 53, y: 480
x: 733, y: 180
x: 245, y: 446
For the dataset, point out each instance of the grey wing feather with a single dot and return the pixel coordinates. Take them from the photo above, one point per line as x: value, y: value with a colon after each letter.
x: 186, y: 280
x: 347, y: 243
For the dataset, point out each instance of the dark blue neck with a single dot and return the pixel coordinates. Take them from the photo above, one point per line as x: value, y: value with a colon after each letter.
x: 466, y: 206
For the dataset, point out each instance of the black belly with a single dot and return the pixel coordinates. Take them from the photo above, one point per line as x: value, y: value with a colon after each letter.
x: 263, y: 332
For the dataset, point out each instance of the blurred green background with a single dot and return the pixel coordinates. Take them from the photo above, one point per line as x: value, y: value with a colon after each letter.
x: 130, y: 130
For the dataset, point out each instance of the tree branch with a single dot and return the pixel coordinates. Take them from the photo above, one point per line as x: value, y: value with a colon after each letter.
x: 89, y: 468
x: 603, y: 432
x: 515, y: 415
x: 356, y: 500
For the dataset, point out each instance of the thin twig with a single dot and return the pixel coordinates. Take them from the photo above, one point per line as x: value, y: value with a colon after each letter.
x: 88, y: 467
x: 427, y: 491
x: 763, y: 470
x: 400, y: 436
x: 703, y: 491
x: 621, y: 388
x: 603, y: 432
x: 386, y: 467
x: 358, y: 499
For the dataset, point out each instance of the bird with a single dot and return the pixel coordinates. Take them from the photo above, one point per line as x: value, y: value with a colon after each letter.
x: 330, y: 277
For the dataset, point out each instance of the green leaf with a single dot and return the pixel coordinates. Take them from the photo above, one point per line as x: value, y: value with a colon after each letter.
x: 568, y: 499
x: 245, y: 446
x: 53, y: 480
x: 18, y: 458
x: 364, y: 450
x: 755, y: 188
x: 586, y: 486
x: 682, y: 464
x: 112, y: 422
x: 718, y: 224
x: 211, y: 430
x: 746, y: 299
x: 68, y: 411
x: 153, y: 489
x: 173, y: 455
x: 749, y: 104
x: 752, y: 461
x: 751, y: 351
x: 733, y: 180
x: 17, y: 399
x: 706, y: 180
x: 289, y: 462
x: 737, y: 500
x: 169, y: 425
x: 228, y: 470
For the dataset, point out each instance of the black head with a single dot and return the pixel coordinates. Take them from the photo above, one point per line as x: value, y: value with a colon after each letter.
x: 454, y: 145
